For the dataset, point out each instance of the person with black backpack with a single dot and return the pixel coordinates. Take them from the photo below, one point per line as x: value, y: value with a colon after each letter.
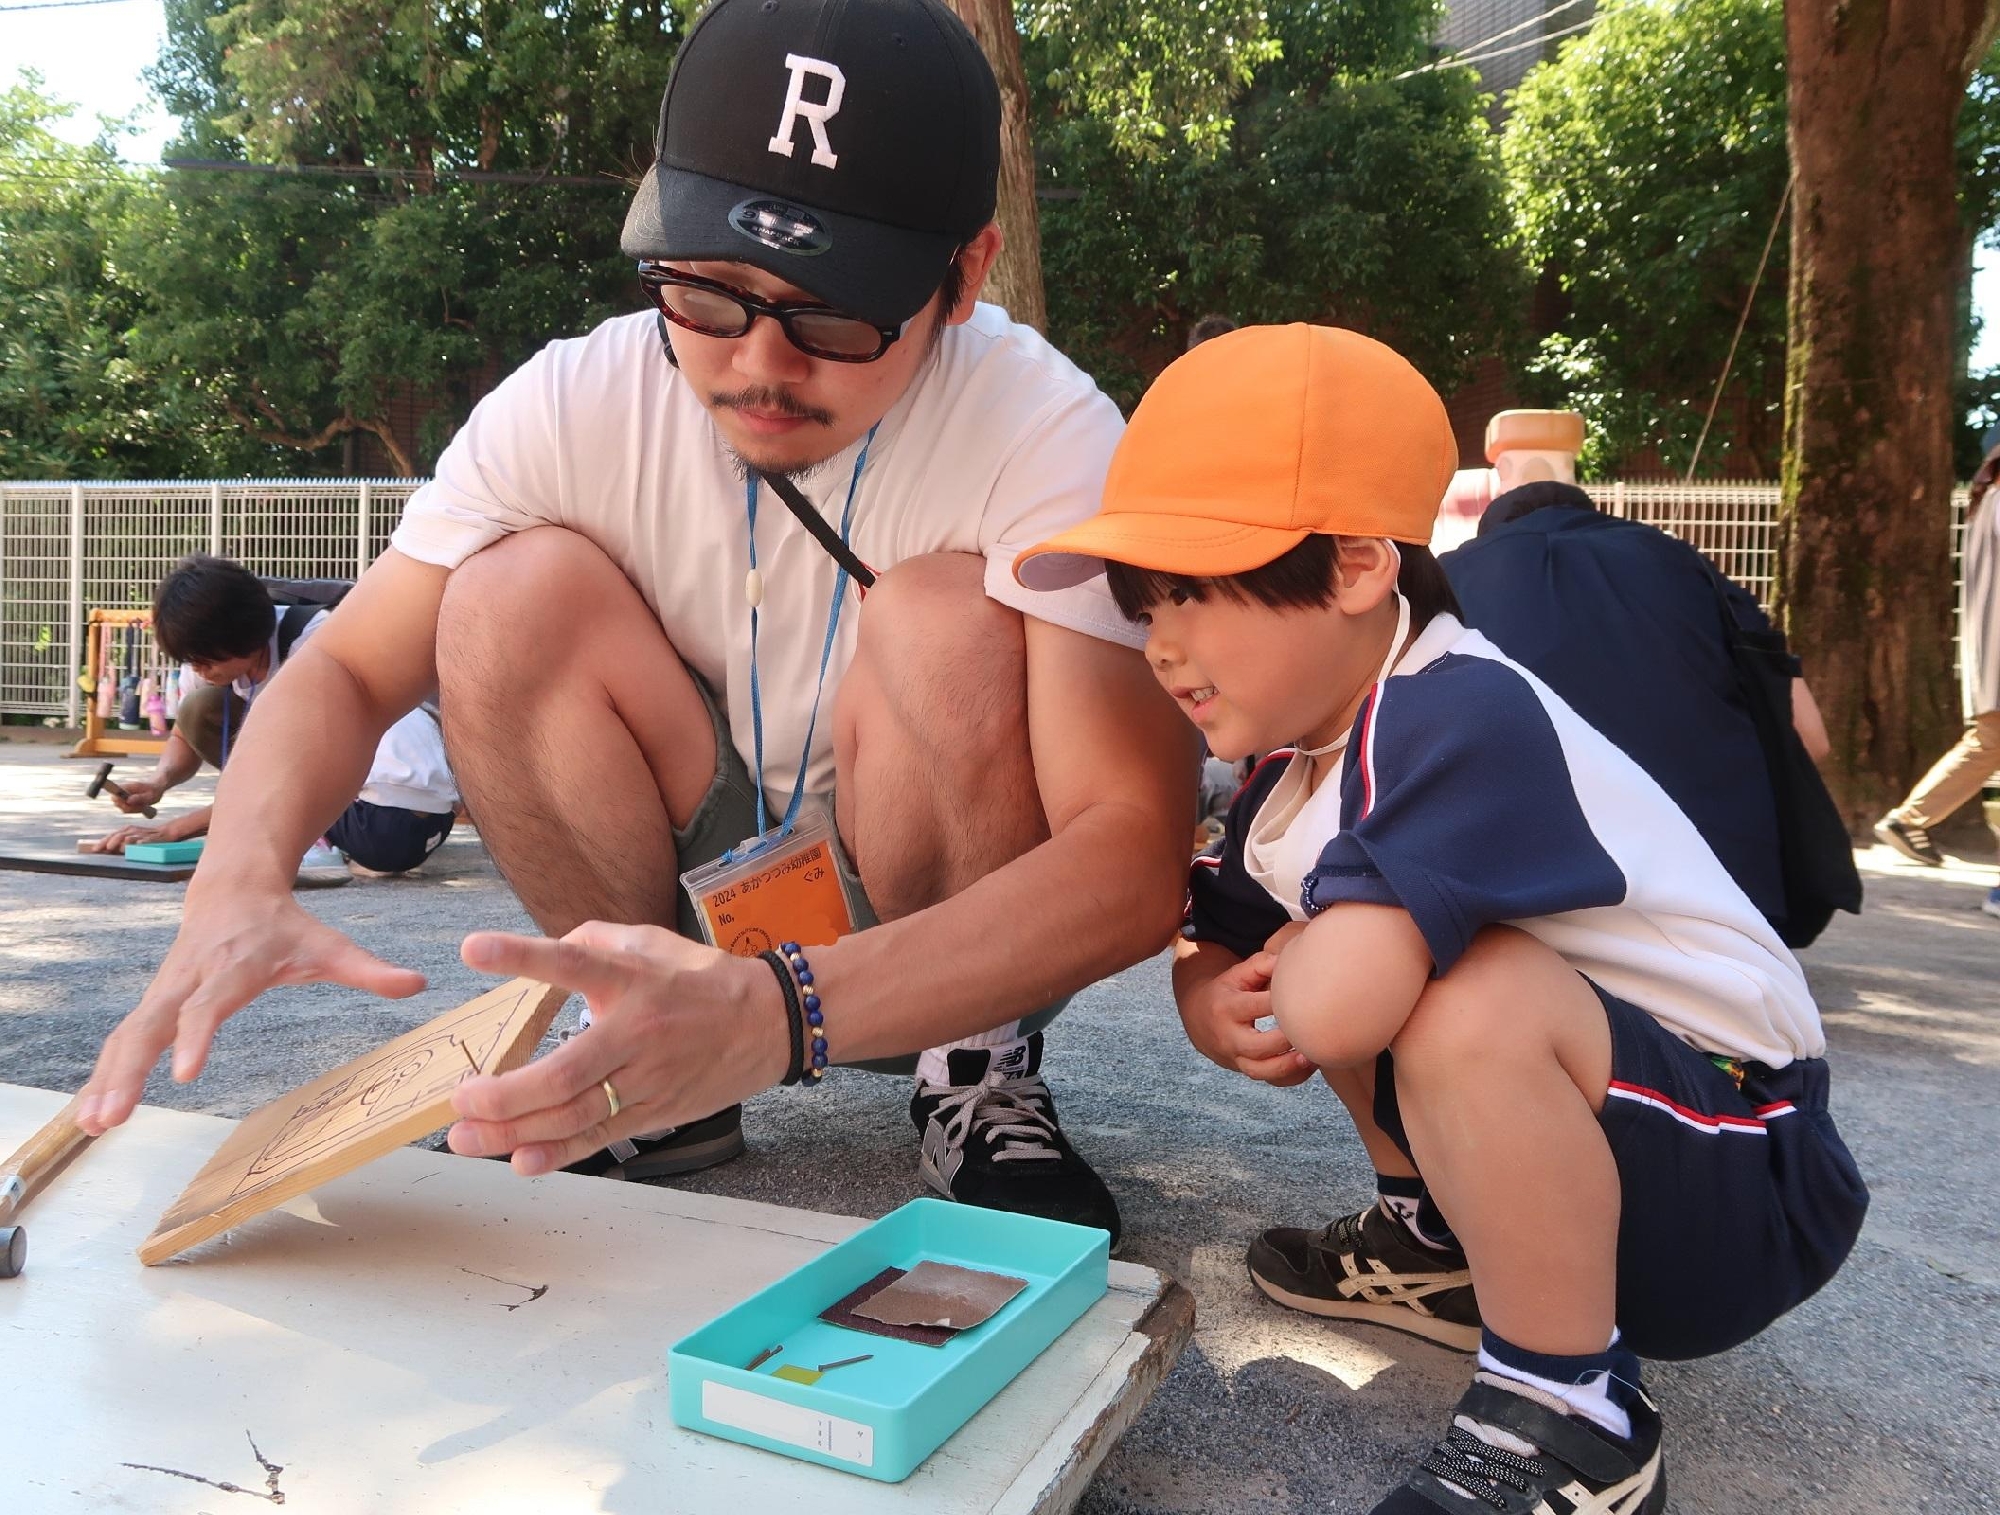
x: 233, y: 631
x: 1682, y: 670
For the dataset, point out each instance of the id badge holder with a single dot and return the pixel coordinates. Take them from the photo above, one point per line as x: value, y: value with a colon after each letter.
x: 787, y: 889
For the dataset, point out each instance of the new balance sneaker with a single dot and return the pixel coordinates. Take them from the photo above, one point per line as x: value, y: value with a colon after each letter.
x: 1367, y: 1267
x: 1913, y: 841
x: 1512, y: 1449
x: 990, y: 1138
x: 686, y: 1149
x: 1991, y: 904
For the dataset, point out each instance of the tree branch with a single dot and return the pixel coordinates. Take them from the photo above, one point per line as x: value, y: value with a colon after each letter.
x: 398, y: 459
x: 275, y: 434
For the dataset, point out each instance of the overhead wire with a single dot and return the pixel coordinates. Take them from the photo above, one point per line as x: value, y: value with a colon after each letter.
x: 1539, y: 19
x: 1466, y: 60
x: 1749, y: 299
x: 58, y: 5
x: 113, y: 173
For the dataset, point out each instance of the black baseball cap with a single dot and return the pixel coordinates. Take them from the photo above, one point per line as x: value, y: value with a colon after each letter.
x: 849, y: 147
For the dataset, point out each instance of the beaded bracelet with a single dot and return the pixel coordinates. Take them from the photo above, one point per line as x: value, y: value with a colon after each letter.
x: 814, y: 1071
x: 794, y: 1016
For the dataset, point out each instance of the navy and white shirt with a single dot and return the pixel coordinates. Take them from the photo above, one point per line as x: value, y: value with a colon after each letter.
x: 1470, y: 795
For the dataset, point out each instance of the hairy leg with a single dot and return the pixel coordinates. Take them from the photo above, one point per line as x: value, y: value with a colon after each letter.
x: 1500, y: 1072
x: 579, y: 742
x: 937, y: 783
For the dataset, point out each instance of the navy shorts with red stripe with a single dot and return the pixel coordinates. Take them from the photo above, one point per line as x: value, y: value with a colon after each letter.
x: 1737, y: 1203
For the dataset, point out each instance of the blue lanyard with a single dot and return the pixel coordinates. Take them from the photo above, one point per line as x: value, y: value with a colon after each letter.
x: 761, y: 840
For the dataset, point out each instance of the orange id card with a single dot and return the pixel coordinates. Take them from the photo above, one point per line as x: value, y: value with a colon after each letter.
x: 788, y: 891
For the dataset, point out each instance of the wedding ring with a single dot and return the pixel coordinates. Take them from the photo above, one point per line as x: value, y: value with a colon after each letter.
x: 611, y: 1094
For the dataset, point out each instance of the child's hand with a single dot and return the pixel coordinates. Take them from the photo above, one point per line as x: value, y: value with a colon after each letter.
x: 1221, y: 1021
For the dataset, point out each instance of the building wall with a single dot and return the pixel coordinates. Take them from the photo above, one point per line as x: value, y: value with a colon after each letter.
x: 1468, y: 23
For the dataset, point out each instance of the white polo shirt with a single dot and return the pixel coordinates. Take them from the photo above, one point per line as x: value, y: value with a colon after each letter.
x: 999, y: 443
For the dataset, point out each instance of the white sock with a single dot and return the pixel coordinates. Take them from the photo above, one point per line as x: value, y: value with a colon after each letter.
x: 1402, y: 1207
x: 1008, y: 1046
x: 1590, y: 1398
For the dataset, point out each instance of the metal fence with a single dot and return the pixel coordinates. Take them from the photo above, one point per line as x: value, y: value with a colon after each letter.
x: 65, y: 548
x: 1736, y: 525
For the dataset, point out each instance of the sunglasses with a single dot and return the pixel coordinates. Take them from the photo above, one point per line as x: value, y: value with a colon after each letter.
x: 715, y: 309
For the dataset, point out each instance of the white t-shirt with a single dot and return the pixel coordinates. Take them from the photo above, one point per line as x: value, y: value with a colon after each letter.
x: 409, y: 770
x: 1284, y: 841
x: 999, y: 442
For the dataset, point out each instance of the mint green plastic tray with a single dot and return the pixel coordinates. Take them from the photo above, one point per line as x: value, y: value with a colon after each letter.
x: 882, y: 1417
x: 165, y: 852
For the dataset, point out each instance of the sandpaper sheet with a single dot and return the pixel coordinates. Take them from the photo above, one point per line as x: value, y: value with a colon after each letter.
x: 942, y: 1296
x: 842, y: 1313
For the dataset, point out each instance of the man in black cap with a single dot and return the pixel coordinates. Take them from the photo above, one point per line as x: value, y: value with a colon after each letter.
x: 636, y: 580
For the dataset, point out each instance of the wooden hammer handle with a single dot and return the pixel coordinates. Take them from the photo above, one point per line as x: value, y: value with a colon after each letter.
x: 41, y: 1158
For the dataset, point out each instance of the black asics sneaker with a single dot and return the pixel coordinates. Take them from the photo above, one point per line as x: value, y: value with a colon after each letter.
x: 990, y: 1138
x: 1366, y: 1267
x: 686, y: 1149
x: 1512, y: 1449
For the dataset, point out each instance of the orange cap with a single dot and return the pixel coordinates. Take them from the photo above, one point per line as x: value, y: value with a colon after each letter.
x: 1252, y: 442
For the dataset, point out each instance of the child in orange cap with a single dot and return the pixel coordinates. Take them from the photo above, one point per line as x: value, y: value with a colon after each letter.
x: 1587, y: 1072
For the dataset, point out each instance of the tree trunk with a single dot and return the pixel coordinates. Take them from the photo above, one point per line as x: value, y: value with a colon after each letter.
x: 1864, y: 575
x: 1016, y: 280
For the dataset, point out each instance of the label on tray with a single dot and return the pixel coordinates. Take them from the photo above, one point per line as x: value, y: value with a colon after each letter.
x: 795, y: 1426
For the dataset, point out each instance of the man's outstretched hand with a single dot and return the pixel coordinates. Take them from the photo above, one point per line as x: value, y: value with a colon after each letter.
x: 232, y: 946
x: 678, y: 1029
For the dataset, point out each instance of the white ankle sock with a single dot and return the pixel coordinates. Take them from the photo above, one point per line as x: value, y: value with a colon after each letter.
x: 1591, y: 1398
x: 1008, y: 1046
x: 1403, y: 1209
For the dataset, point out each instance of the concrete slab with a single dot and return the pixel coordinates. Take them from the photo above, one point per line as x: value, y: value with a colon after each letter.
x: 1879, y: 1395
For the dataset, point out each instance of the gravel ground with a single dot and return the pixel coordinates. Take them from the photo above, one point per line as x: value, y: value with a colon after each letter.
x: 1880, y: 1394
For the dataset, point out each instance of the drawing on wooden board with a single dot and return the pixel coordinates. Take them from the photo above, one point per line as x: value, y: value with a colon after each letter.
x: 354, y: 1114
x: 389, y: 1084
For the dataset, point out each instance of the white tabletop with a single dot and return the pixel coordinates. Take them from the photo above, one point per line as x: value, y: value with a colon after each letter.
x: 381, y: 1342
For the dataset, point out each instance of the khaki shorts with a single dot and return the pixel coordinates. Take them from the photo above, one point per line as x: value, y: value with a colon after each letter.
x: 727, y: 815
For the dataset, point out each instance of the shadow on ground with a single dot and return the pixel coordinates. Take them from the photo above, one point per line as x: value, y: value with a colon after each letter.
x: 1879, y: 1395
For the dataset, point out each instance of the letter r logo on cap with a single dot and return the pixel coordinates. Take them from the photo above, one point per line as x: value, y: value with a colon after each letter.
x: 816, y: 113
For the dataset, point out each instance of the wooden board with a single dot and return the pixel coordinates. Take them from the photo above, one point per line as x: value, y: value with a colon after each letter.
x: 114, y: 865
x: 94, y: 865
x: 375, y: 1104
x: 434, y: 1333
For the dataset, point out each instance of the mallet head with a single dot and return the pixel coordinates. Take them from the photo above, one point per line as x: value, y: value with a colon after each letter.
x: 103, y: 782
x: 13, y: 1250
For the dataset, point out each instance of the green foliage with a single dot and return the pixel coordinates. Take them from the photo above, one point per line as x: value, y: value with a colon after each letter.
x: 1262, y: 162
x: 1338, y: 193
x: 1645, y: 166
x: 1156, y: 75
x: 298, y: 309
x: 73, y: 404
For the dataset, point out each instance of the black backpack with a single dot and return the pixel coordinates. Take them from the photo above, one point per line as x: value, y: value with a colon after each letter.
x: 1815, y: 855
x: 298, y: 601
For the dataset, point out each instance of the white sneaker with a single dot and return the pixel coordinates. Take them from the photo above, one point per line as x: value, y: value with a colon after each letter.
x: 322, y: 854
x: 1991, y: 904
